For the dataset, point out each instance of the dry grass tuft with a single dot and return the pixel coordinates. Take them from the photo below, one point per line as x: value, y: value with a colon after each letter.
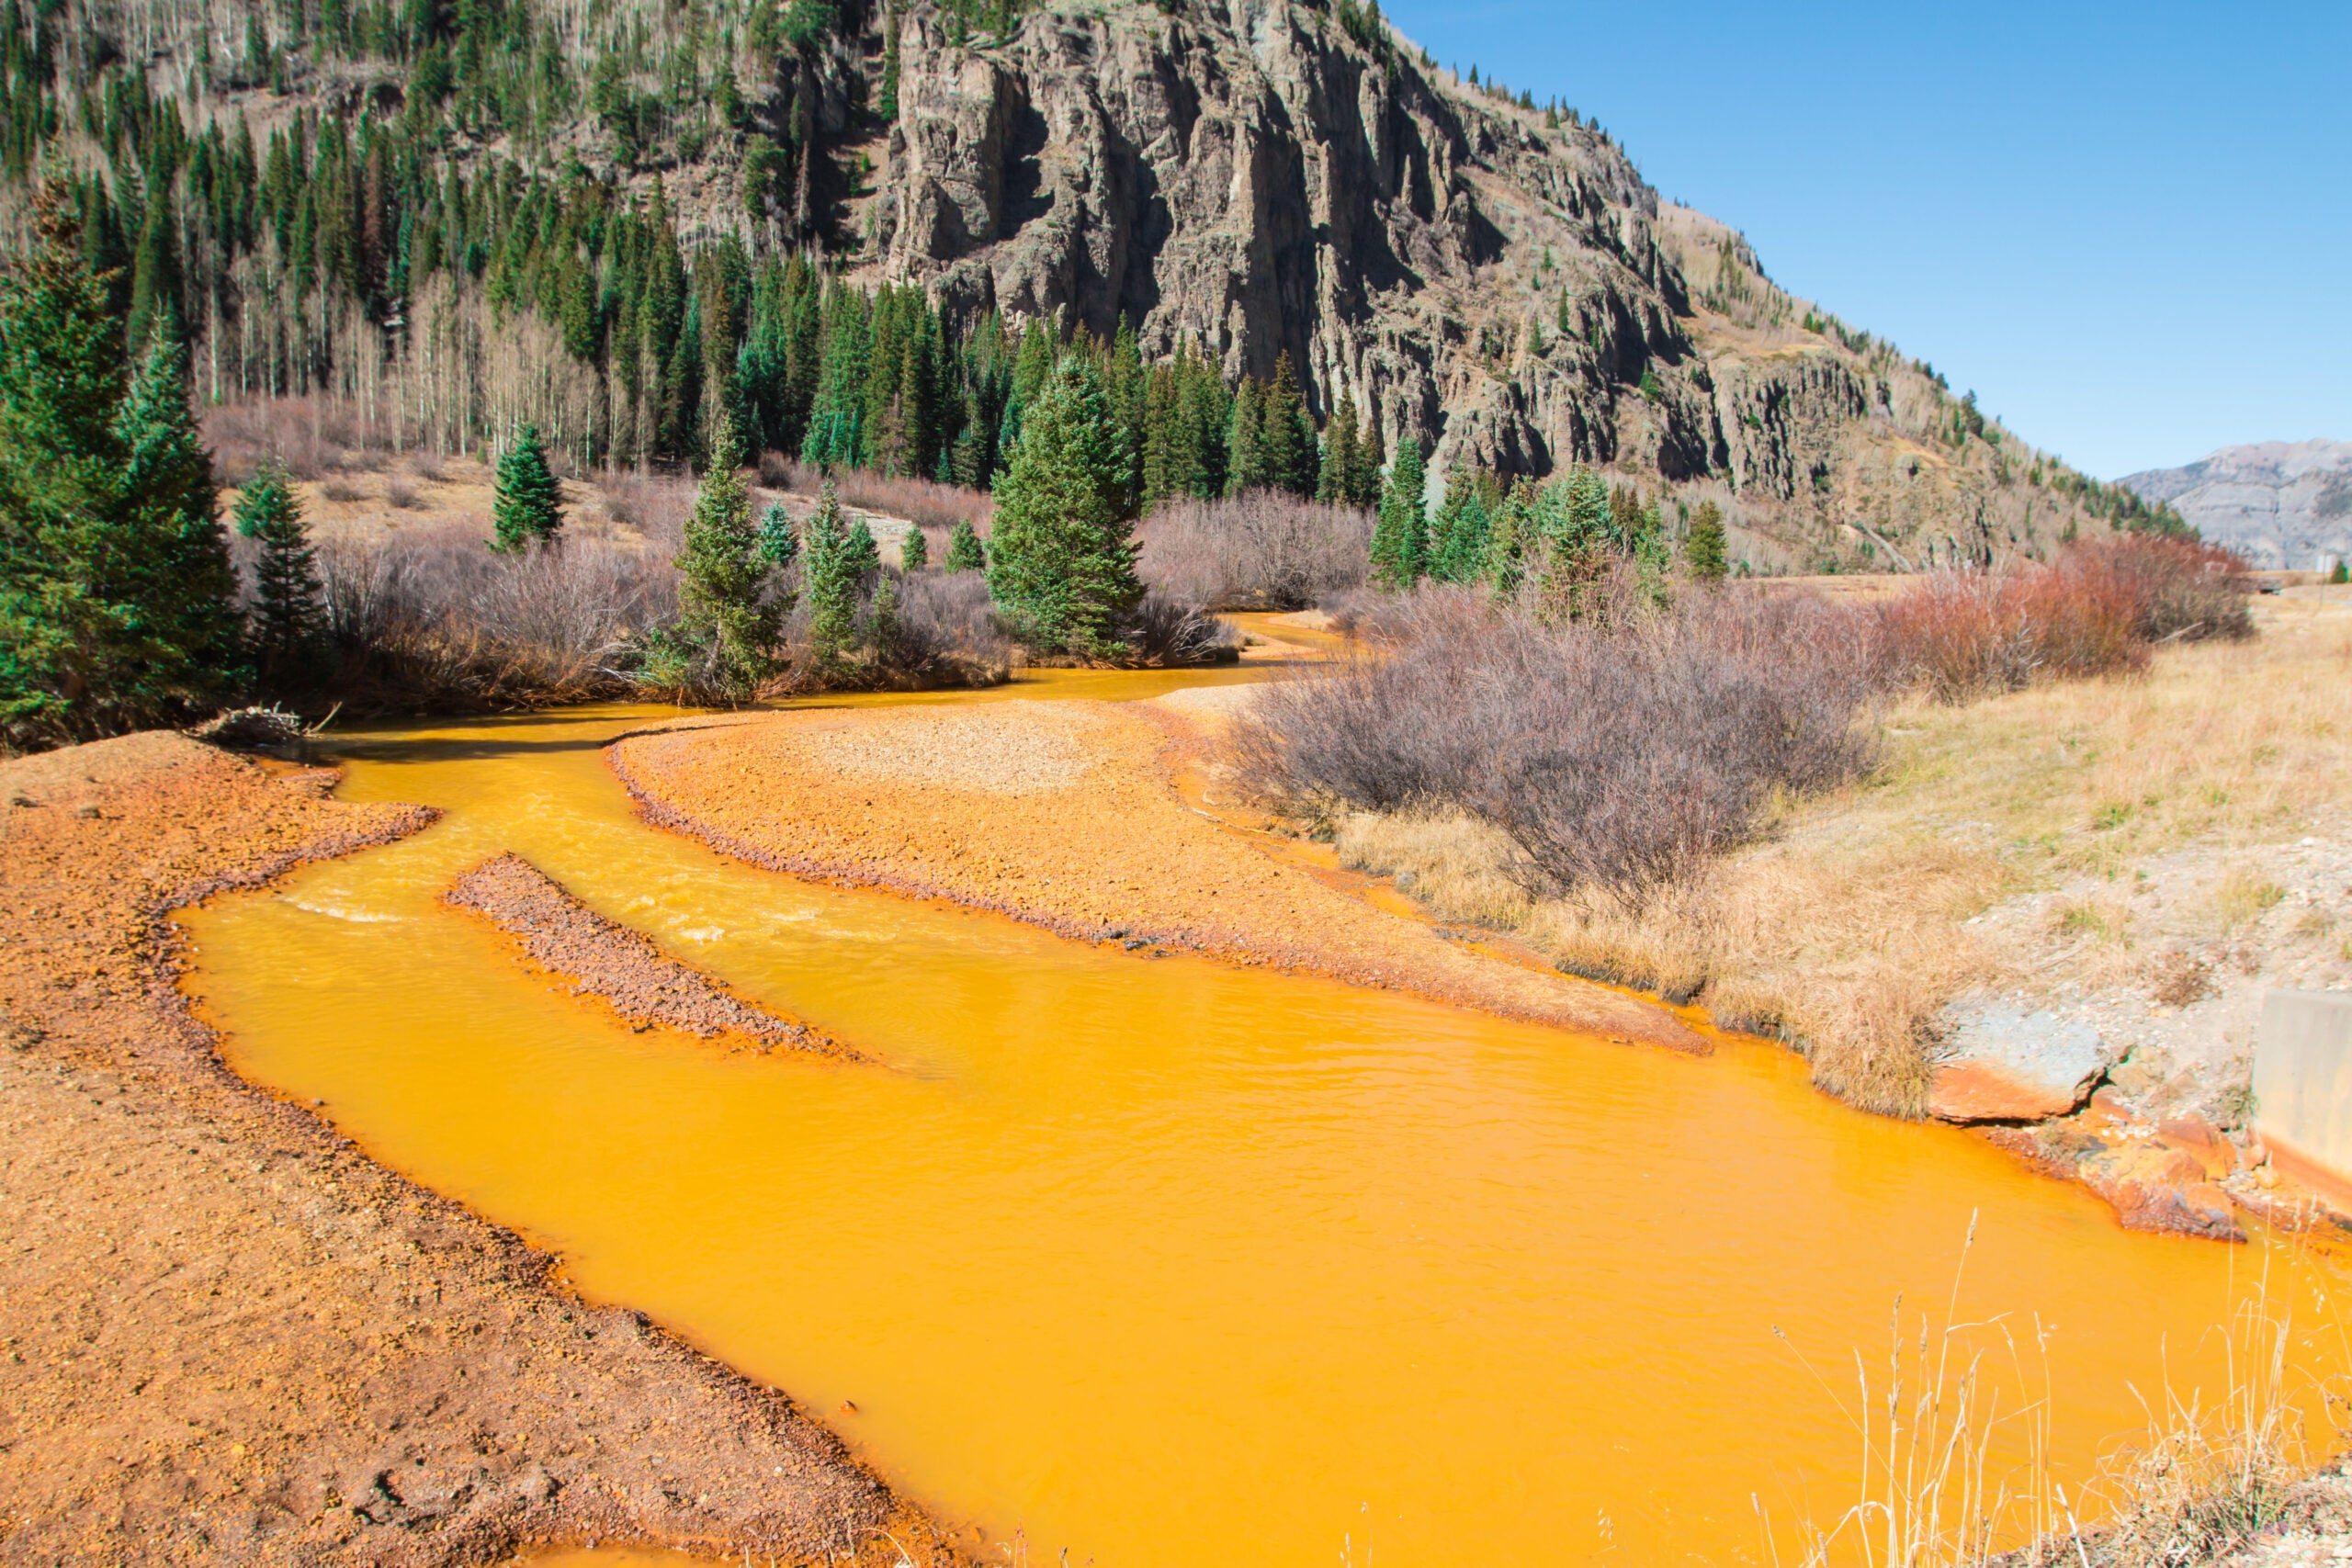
x: 1954, y: 1429
x: 1449, y: 860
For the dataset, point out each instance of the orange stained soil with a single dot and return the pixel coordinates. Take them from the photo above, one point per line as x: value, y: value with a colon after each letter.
x: 1166, y: 1261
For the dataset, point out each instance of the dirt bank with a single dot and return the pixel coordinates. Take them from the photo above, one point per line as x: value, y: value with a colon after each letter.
x: 1063, y: 815
x: 228, y: 1336
x: 556, y: 933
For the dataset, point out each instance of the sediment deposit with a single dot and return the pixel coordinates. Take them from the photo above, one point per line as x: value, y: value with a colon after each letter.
x: 594, y: 957
x: 1063, y: 815
x: 228, y: 1336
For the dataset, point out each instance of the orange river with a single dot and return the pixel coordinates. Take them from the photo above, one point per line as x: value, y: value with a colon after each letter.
x: 1169, y: 1263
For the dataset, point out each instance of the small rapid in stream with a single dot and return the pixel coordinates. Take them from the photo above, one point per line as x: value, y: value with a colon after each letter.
x: 1159, y: 1260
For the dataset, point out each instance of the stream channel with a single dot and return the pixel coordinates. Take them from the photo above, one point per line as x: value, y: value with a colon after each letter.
x: 1164, y: 1261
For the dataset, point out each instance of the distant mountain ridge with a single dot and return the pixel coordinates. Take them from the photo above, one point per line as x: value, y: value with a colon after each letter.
x: 2278, y: 504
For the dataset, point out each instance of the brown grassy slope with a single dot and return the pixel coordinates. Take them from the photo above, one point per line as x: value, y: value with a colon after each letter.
x: 2091, y: 841
x: 1061, y: 815
x: 228, y: 1338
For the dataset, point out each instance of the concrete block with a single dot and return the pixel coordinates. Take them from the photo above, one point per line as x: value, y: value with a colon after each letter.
x: 2302, y: 1088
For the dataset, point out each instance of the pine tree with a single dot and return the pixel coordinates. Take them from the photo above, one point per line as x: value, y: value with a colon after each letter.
x: 726, y: 618
x: 914, y: 551
x: 964, y: 552
x: 882, y: 620
x: 778, y: 545
x: 1460, y: 533
x: 1399, y: 538
x: 193, y: 588
x: 1335, y: 485
x: 1286, y: 435
x: 156, y: 270
x: 289, y: 602
x: 528, y: 509
x: 861, y: 556
x: 1244, y: 441
x: 1363, y: 492
x: 1702, y: 547
x: 110, y: 613
x: 1125, y: 390
x: 832, y: 582
x: 1061, y: 562
x: 1206, y: 414
x: 1159, y: 435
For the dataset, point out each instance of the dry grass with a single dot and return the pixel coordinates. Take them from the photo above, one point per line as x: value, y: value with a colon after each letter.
x: 1846, y: 929
x: 923, y: 502
x: 1953, y: 1429
x: 1449, y: 860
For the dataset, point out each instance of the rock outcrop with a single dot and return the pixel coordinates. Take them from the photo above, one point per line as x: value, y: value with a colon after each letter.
x: 1253, y: 176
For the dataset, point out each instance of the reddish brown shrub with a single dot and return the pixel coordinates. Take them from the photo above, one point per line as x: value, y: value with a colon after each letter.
x: 2094, y: 611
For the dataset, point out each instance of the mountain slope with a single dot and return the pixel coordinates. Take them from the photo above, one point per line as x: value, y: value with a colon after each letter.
x: 462, y: 217
x: 2278, y: 504
x: 1500, y: 284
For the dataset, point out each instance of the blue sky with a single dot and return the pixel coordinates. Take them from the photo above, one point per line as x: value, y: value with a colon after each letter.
x: 2128, y: 228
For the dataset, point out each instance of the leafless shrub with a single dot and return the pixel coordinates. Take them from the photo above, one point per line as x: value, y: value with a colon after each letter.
x: 944, y: 632
x: 341, y: 490
x: 1168, y: 633
x: 311, y: 435
x: 431, y: 618
x: 426, y: 467
x: 400, y: 493
x: 1622, y: 759
x: 656, y: 505
x: 948, y: 630
x: 252, y: 730
x: 1263, y: 550
x: 918, y: 501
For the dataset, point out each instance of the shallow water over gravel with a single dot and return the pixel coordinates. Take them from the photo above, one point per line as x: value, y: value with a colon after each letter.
x: 1157, y: 1260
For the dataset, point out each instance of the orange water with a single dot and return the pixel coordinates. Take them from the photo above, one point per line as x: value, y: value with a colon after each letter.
x: 1162, y: 1261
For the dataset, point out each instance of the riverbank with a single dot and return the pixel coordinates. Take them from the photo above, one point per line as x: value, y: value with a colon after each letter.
x: 1065, y: 816
x: 2053, y: 913
x: 227, y: 1336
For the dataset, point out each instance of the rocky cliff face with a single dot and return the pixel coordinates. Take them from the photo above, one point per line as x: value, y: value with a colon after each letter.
x: 2278, y: 504
x: 1246, y: 175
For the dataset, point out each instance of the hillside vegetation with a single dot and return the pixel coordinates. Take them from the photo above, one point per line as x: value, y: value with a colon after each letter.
x: 840, y: 222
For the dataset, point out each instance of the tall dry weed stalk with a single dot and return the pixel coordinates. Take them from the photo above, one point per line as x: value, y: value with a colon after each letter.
x: 1955, y: 1466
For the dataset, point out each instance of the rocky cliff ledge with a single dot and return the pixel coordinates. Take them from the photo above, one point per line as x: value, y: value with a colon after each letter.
x: 1493, y: 281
